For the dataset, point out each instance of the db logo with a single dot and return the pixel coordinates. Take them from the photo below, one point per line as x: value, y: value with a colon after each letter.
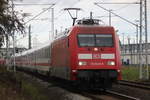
x: 96, y: 56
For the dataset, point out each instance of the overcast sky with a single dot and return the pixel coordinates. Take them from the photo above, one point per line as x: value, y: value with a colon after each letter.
x: 42, y: 28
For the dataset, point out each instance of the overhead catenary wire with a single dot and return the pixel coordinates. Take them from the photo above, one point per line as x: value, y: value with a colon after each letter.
x: 19, y: 4
x: 39, y: 14
x: 125, y: 6
x: 118, y: 3
x: 60, y: 14
x: 116, y: 14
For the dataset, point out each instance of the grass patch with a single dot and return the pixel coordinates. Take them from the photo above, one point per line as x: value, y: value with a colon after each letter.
x: 33, y: 91
x: 3, y: 69
x: 8, y: 86
x: 131, y: 73
x: 14, y: 86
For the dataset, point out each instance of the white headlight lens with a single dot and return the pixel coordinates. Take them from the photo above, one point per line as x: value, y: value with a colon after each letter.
x: 111, y: 63
x: 118, y: 71
x: 95, y: 49
x: 82, y: 63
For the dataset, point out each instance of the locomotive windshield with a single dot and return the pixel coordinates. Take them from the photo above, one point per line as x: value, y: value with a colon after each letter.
x: 86, y: 40
x: 99, y: 40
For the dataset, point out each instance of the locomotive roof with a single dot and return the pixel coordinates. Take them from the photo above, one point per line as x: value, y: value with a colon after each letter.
x: 90, y: 23
x: 102, y: 26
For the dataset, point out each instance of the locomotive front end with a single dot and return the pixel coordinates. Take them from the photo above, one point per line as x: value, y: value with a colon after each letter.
x: 96, y: 55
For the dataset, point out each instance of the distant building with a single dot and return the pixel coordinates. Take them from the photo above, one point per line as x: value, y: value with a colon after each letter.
x: 130, y: 53
x: 3, y: 51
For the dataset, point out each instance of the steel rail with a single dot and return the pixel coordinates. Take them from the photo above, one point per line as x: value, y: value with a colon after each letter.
x: 141, y: 83
x: 135, y: 84
x: 122, y: 95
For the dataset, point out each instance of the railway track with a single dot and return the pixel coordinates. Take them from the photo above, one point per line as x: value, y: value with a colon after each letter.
x: 94, y: 94
x: 122, y: 96
x: 135, y: 84
x: 108, y: 95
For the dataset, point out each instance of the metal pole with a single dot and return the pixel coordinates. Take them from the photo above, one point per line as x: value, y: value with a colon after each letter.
x: 7, y: 46
x: 134, y: 52
x: 29, y: 36
x: 91, y: 15
x: 13, y: 37
x: 146, y: 41
x: 137, y: 43
x: 140, y: 43
x: 49, y: 25
x: 123, y: 48
x: 14, y: 51
x: 52, y: 23
x: 110, y: 17
x: 7, y: 51
x: 130, y: 49
x: 137, y: 34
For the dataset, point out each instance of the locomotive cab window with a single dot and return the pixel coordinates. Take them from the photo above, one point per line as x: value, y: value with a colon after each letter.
x: 104, y: 40
x: 99, y: 40
x: 86, y: 40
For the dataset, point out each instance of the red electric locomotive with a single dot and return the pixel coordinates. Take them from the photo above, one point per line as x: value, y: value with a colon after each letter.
x: 87, y: 53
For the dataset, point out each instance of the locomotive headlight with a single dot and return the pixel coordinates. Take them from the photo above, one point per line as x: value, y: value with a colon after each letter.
x: 111, y: 63
x: 95, y: 49
x: 118, y: 71
x: 81, y: 63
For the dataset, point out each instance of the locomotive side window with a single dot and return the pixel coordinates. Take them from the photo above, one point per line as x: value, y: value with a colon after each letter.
x: 104, y: 40
x: 99, y: 40
x: 86, y: 40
